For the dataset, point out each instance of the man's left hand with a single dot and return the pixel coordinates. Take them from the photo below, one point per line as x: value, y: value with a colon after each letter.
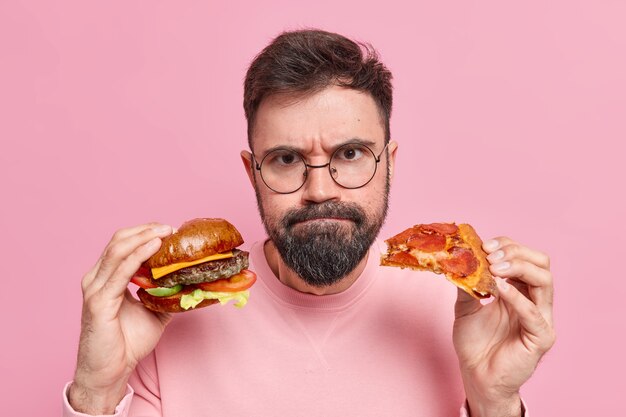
x: 500, y: 344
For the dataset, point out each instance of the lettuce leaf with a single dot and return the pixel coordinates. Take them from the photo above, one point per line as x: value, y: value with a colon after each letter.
x: 194, y: 298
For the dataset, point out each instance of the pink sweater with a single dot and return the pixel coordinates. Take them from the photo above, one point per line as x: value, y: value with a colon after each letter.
x: 381, y: 348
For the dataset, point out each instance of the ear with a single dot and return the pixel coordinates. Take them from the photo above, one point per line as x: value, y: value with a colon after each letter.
x: 246, y: 159
x: 393, y: 148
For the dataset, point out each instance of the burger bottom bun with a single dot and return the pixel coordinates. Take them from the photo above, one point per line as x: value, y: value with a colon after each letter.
x: 169, y: 304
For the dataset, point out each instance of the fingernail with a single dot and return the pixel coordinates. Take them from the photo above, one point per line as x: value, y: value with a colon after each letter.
x: 502, y: 284
x: 491, y: 245
x: 162, y: 228
x: 502, y: 266
x: 495, y: 256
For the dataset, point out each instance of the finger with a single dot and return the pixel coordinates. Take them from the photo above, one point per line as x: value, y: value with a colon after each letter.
x: 122, y: 234
x: 118, y: 281
x: 117, y: 237
x: 524, y: 271
x: 538, y: 333
x: 507, y: 249
x: 539, y: 282
x: 120, y: 250
x: 465, y: 304
x: 89, y: 277
x: 521, y: 287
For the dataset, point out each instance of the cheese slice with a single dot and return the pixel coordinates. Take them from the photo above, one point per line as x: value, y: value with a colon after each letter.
x: 168, y: 269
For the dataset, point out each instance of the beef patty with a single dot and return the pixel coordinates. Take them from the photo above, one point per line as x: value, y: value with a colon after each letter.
x: 206, y: 272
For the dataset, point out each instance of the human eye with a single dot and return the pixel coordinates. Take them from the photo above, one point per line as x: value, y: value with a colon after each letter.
x: 282, y: 158
x: 351, y: 153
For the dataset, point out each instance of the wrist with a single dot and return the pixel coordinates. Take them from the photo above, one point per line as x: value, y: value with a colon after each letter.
x: 95, y: 401
x: 489, y: 401
x: 510, y: 406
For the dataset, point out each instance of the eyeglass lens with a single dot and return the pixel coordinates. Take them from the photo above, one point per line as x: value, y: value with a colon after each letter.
x: 351, y: 166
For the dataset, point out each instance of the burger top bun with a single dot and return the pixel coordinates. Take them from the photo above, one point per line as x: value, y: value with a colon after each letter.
x: 194, y: 240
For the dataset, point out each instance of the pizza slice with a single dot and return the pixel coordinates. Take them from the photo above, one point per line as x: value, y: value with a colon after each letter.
x: 444, y: 248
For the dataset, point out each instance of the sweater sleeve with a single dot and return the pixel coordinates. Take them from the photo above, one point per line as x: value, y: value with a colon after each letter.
x: 120, y: 411
x: 465, y: 410
x: 142, y: 397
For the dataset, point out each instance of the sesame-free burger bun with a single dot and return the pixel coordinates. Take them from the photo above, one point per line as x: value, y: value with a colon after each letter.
x: 196, y: 239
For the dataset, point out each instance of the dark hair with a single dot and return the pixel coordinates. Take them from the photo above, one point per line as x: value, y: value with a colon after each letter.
x: 304, y: 62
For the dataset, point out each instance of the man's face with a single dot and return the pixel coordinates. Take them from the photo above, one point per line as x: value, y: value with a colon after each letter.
x: 322, y: 231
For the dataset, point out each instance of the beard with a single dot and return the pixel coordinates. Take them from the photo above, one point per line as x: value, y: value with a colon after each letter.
x: 324, y: 252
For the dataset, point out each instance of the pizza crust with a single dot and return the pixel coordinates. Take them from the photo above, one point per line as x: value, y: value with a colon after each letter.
x: 481, y: 282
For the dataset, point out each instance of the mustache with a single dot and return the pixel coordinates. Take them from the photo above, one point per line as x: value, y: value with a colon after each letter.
x: 348, y: 211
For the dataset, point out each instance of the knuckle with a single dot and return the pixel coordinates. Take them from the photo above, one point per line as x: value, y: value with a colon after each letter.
x: 541, y: 278
x: 548, y: 279
x: 91, y: 311
x: 90, y: 305
x: 90, y: 292
x: 504, y: 240
x: 118, y: 235
x: 547, y: 336
x: 87, y: 282
x: 552, y: 339
x: 84, y: 285
x: 548, y: 340
x: 516, y: 265
x: 147, y: 233
x: 511, y: 250
x: 112, y: 252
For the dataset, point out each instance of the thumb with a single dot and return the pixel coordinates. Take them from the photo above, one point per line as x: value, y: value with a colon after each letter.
x: 164, y: 318
x: 465, y: 304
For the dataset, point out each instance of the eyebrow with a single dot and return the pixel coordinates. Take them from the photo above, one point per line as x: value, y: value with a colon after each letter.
x: 360, y: 141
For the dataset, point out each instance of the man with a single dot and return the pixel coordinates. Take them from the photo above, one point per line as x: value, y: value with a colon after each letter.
x: 327, y: 331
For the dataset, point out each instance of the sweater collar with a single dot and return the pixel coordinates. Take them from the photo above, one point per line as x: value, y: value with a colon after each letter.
x: 297, y: 299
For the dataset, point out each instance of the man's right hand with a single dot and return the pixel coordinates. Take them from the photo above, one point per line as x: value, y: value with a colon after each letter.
x: 117, y: 331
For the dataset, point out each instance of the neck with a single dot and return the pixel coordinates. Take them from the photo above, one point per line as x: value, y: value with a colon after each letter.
x: 289, y: 278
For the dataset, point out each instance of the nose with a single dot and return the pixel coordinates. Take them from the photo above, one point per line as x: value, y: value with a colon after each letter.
x: 319, y: 186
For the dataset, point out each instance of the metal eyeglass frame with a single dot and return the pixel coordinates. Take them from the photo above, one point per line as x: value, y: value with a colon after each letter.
x: 307, y: 166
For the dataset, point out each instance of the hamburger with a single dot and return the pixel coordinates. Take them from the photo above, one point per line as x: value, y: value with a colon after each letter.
x: 196, y: 266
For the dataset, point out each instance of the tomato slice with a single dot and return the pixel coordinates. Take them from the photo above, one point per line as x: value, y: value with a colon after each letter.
x: 239, y: 282
x: 142, y: 279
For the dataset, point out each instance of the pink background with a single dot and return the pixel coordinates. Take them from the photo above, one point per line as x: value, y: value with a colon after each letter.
x: 509, y: 115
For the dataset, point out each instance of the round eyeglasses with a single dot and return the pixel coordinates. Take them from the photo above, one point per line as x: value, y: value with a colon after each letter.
x: 352, y: 165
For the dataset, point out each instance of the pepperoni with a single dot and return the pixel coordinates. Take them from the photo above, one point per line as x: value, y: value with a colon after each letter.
x: 462, y: 262
x: 402, y: 258
x: 427, y: 243
x: 416, y: 238
x: 402, y: 237
x: 441, y: 228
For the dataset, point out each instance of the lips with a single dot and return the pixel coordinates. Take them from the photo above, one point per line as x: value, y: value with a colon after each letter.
x: 325, y: 211
x: 325, y: 219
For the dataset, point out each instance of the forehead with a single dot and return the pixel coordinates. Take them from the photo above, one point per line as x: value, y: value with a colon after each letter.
x: 319, y: 121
